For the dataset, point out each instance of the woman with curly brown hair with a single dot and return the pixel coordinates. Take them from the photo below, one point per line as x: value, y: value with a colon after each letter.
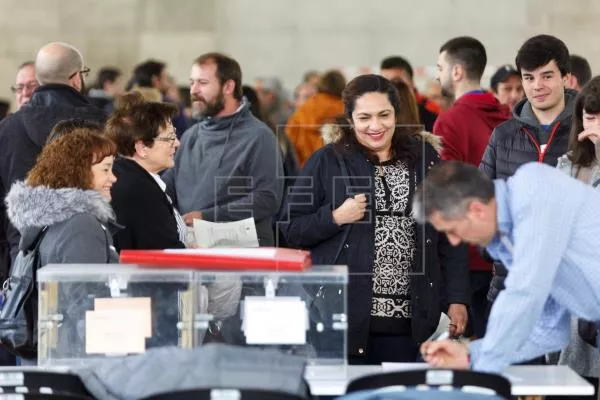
x: 66, y: 198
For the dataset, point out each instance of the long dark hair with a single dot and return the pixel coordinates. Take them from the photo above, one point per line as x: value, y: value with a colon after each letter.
x: 583, y: 153
x: 404, y: 143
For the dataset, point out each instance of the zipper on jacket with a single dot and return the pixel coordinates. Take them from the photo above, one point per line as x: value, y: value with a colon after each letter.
x: 542, y: 153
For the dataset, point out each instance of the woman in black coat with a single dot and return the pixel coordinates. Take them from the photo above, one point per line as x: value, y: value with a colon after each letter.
x: 351, y: 205
x: 146, y: 143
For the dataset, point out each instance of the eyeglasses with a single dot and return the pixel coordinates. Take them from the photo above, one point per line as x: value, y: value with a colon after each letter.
x: 20, y: 88
x: 169, y: 139
x: 84, y: 72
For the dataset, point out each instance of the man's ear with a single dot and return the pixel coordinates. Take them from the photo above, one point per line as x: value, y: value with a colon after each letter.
x: 76, y: 82
x: 477, y: 208
x: 458, y: 72
x: 229, y: 87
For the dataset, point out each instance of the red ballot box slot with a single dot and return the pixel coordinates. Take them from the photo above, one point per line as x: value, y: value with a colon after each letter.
x: 256, y: 259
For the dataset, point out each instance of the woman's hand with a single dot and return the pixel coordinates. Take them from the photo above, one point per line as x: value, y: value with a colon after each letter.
x: 352, y: 210
x: 593, y: 134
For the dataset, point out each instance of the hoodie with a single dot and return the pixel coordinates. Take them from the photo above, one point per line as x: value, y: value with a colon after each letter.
x: 229, y: 168
x: 77, y: 222
x: 465, y: 130
x: 22, y: 136
x: 439, y: 270
x: 466, y: 127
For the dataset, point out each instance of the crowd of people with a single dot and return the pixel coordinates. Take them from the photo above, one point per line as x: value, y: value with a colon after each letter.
x: 337, y: 170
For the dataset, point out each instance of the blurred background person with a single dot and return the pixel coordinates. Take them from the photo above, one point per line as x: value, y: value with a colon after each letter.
x: 397, y: 68
x: 290, y: 161
x: 311, y: 77
x: 302, y: 93
x: 109, y: 85
x: 273, y: 100
x: 25, y: 83
x: 303, y: 127
x: 581, y: 73
x: 151, y: 79
x: 507, y: 87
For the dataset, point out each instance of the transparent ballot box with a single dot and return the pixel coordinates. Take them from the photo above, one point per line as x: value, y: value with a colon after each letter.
x: 92, y: 311
x: 301, y: 313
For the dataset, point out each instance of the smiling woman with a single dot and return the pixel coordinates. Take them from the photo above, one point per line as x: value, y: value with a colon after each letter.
x: 363, y: 184
x: 146, y: 143
x: 68, y: 191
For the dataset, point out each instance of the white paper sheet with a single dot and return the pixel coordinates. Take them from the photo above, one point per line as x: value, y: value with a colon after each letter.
x: 115, y: 331
x: 277, y: 320
x: 442, y: 328
x: 225, y: 234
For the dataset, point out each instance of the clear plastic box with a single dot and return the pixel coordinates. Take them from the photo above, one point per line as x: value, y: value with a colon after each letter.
x: 89, y: 311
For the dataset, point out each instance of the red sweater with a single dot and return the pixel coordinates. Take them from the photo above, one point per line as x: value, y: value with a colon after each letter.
x: 465, y: 129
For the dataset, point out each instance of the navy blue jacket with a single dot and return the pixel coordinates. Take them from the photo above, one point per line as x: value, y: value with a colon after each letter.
x: 440, y: 271
x: 22, y: 136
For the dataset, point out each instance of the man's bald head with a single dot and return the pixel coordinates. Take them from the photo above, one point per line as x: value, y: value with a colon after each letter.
x: 56, y: 62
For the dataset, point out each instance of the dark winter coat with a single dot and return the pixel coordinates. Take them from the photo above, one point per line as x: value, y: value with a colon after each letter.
x: 440, y: 271
x: 22, y: 136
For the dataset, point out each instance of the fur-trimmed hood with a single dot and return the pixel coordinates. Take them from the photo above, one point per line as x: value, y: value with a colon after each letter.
x: 30, y: 207
x: 332, y: 133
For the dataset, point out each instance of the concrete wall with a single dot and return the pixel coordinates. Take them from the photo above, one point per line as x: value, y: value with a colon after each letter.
x: 285, y: 37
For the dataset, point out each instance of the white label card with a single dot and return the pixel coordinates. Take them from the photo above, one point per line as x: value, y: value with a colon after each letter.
x: 275, y: 320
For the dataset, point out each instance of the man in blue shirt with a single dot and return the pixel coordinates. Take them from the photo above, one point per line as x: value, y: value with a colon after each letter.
x: 551, y: 249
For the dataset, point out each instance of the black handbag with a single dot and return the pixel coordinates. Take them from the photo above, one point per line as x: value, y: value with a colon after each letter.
x: 18, y: 317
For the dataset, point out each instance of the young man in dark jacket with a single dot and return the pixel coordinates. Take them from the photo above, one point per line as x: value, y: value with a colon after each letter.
x: 465, y: 129
x: 60, y: 70
x: 539, y: 128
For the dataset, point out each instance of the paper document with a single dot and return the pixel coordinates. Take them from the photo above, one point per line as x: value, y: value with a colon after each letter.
x: 225, y: 234
x: 115, y: 332
x: 277, y: 320
x: 141, y: 305
x: 442, y: 328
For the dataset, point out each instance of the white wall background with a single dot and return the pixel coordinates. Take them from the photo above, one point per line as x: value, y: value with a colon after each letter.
x: 285, y: 37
